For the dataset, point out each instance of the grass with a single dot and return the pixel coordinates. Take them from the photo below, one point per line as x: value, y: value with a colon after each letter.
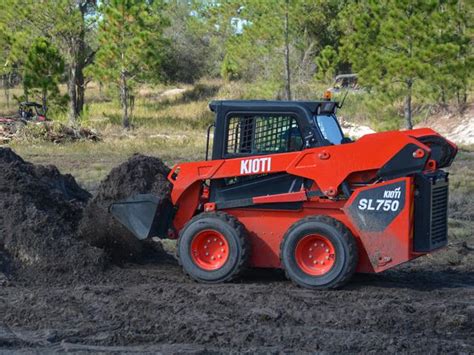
x: 171, y: 127
x: 461, y: 197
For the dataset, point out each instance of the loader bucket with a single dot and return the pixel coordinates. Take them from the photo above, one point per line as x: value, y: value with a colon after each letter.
x: 144, y: 215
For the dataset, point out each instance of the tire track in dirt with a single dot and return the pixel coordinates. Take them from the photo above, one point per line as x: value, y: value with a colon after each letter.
x: 148, y: 306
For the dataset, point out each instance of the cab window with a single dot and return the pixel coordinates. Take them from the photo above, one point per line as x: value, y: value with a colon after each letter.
x: 262, y: 134
x: 329, y: 128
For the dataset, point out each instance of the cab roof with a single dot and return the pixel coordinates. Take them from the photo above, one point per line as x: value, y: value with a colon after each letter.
x: 257, y: 105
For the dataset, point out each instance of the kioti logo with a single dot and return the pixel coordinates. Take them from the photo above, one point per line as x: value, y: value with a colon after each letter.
x: 392, y: 193
x: 255, y: 166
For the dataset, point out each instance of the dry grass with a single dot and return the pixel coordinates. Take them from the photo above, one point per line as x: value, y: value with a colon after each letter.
x: 461, y: 198
x: 171, y: 127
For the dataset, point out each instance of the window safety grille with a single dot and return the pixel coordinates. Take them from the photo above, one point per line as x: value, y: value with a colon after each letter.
x: 262, y: 134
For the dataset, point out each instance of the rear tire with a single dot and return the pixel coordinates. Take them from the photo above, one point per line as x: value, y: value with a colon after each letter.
x: 319, y: 252
x: 212, y: 248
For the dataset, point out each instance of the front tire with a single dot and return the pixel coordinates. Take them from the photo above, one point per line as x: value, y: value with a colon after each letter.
x: 319, y: 252
x: 212, y: 248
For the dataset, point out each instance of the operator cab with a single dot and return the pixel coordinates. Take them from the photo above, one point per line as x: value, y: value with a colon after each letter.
x: 260, y: 127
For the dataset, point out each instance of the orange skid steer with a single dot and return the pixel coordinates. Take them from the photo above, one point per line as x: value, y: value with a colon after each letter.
x: 285, y: 189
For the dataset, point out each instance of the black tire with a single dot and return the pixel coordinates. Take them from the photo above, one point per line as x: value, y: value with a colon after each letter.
x: 234, y: 233
x: 345, y: 246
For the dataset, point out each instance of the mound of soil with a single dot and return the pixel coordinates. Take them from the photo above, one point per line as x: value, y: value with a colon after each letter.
x: 139, y: 175
x: 41, y: 209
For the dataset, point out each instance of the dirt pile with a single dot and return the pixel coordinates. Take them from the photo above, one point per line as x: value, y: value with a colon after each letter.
x: 41, y: 209
x: 140, y: 174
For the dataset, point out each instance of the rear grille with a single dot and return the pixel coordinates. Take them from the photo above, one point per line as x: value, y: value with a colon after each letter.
x: 439, y: 214
x: 431, y: 211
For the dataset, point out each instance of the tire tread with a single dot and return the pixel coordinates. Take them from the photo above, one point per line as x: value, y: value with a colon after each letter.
x: 242, y: 239
x: 346, y: 234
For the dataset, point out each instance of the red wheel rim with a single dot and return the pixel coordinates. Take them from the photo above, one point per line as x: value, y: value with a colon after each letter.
x: 315, y: 254
x: 209, y: 250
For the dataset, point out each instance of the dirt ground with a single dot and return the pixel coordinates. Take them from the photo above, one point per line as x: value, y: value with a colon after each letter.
x: 426, y: 306
x: 153, y: 307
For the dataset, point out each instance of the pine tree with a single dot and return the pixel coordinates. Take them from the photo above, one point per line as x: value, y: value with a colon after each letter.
x: 130, y: 46
x: 394, y: 46
x: 327, y: 63
x: 15, y: 42
x: 43, y: 69
x: 67, y: 25
x: 455, y: 67
x: 274, y: 39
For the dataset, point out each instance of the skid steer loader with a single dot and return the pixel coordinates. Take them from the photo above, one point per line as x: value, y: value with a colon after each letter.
x: 284, y: 188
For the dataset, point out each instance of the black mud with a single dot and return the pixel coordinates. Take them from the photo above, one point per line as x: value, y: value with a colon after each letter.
x: 138, y: 175
x: 40, y: 209
x: 153, y: 307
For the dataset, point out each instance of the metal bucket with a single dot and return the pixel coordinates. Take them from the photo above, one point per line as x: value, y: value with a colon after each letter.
x: 144, y: 215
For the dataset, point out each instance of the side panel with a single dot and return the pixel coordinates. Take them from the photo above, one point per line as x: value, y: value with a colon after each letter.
x: 382, y: 214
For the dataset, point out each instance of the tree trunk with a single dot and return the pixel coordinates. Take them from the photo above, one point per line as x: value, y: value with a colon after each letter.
x: 408, y: 108
x: 80, y: 60
x: 80, y: 89
x: 25, y: 91
x: 71, y: 89
x: 44, y: 99
x: 287, y: 55
x: 124, y: 100
x: 77, y: 55
x: 443, y: 98
x: 461, y: 96
x: 6, y: 88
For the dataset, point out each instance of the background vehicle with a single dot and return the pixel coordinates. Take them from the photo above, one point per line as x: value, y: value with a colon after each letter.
x: 345, y: 82
x: 32, y: 111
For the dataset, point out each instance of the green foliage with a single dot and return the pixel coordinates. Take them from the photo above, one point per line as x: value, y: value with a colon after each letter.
x: 191, y: 52
x: 397, y: 47
x: 255, y: 50
x: 327, y: 63
x: 131, y: 46
x: 130, y: 42
x: 407, y: 53
x: 257, y: 39
x: 43, y: 69
x: 67, y: 24
x: 454, y: 69
x: 230, y: 68
x: 14, y: 42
